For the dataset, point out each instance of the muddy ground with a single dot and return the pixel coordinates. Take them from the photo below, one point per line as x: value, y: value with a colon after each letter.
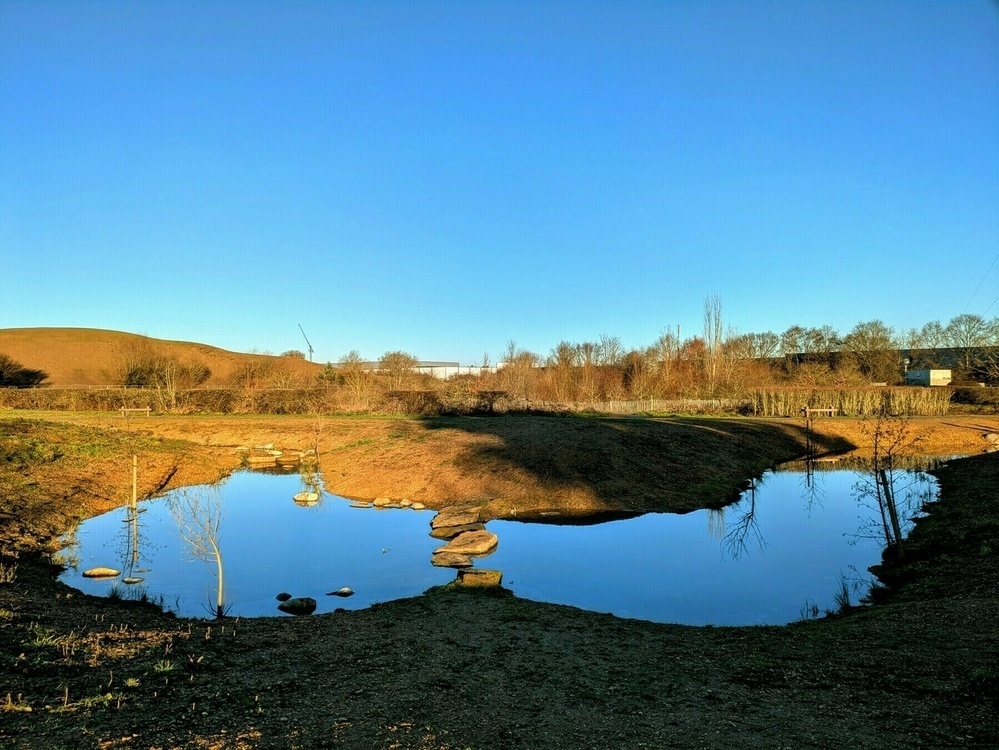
x: 483, y: 669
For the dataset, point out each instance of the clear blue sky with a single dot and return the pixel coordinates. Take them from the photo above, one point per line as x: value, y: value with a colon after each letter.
x: 443, y: 177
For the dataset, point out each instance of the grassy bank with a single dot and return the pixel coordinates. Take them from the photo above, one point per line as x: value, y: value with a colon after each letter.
x: 484, y: 670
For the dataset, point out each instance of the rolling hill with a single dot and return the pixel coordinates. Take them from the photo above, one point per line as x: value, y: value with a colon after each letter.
x: 86, y: 357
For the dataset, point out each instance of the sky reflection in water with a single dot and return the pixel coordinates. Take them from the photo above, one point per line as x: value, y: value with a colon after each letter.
x: 725, y: 567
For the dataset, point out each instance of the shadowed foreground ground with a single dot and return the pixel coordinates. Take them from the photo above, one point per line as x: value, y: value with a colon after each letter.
x: 480, y: 669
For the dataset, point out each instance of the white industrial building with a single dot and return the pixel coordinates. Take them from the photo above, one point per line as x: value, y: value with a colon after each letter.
x: 928, y: 377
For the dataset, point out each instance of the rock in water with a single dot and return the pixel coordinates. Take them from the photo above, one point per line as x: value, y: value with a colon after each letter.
x: 101, y: 573
x: 449, y: 532
x: 345, y: 591
x: 306, y: 498
x: 471, y: 543
x: 283, y: 596
x: 301, y: 605
x: 480, y: 578
x: 451, y: 560
x: 456, y: 515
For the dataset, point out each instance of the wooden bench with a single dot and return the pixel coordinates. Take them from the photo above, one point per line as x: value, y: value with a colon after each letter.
x: 145, y: 409
x: 808, y: 412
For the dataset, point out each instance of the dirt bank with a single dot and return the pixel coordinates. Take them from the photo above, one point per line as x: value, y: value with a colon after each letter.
x: 533, y: 463
x: 465, y: 669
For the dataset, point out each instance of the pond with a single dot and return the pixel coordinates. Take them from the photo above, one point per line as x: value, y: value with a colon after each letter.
x: 779, y: 554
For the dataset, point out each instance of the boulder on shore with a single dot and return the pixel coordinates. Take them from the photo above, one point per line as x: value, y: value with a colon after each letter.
x: 300, y: 605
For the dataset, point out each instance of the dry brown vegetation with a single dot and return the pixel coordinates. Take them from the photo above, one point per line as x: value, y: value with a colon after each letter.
x: 75, y: 357
x: 89, y: 370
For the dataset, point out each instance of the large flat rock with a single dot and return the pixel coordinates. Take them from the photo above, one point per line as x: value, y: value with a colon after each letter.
x: 450, y: 532
x: 456, y: 515
x: 470, y: 543
x: 479, y: 577
x: 451, y: 560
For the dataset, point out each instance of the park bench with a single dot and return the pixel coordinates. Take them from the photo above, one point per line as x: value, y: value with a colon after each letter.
x: 146, y: 409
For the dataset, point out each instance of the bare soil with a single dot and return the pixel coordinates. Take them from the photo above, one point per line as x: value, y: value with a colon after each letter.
x: 483, y: 669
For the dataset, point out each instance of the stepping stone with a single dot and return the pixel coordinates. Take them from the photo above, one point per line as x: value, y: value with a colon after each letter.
x: 450, y: 532
x: 456, y: 515
x: 471, y: 543
x: 479, y: 578
x: 101, y: 573
x: 451, y: 560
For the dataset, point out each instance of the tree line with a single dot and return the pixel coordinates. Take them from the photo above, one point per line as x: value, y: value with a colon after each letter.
x: 719, y: 362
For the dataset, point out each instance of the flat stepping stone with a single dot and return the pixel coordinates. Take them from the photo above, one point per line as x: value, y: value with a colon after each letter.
x: 306, y: 498
x: 261, y: 461
x: 451, y: 560
x: 456, y: 515
x: 471, y: 543
x: 101, y: 573
x: 345, y: 591
x: 359, y: 504
x: 479, y: 578
x: 450, y: 532
x: 132, y: 580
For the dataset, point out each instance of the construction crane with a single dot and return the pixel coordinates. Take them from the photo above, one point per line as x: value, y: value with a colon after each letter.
x: 306, y: 340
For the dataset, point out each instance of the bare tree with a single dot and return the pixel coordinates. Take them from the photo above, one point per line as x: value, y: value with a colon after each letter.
x: 874, y: 347
x: 766, y: 345
x: 517, y: 370
x: 894, y: 501
x: 974, y: 337
x: 714, y: 340
x: 355, y: 378
x: 609, y: 350
x: 399, y: 366
x: 198, y: 514
x: 563, y: 364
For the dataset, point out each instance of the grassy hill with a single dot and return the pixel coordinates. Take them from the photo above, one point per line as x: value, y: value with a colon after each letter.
x: 94, y: 357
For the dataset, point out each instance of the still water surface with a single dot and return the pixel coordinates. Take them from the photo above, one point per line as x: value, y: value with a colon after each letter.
x: 786, y: 543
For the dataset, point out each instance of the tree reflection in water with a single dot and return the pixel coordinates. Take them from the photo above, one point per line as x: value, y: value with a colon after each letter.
x: 198, y: 513
x: 745, y: 529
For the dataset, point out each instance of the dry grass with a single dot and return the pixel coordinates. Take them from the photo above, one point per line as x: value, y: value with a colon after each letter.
x: 88, y: 357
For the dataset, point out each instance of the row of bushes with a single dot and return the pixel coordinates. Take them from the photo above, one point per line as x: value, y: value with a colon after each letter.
x: 850, y: 402
x: 459, y: 397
